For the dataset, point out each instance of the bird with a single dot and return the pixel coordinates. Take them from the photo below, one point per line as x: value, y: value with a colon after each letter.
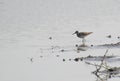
x: 82, y: 35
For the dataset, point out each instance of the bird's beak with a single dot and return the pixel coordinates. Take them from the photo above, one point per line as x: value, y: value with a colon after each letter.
x: 73, y: 33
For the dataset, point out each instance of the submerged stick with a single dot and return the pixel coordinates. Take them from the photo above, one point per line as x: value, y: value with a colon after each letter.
x: 102, y: 61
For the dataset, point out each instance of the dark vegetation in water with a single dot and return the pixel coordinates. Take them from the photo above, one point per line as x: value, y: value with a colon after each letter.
x: 91, y: 45
x: 76, y: 59
x: 63, y: 60
x: 109, y: 36
x: 31, y: 59
x: 50, y: 38
x: 62, y: 50
x: 57, y: 55
x: 118, y: 37
x: 96, y: 58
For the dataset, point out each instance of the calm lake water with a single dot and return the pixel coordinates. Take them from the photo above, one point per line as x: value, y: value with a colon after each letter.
x: 27, y: 53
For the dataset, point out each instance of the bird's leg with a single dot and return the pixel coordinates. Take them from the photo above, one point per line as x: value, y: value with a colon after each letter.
x: 83, y: 41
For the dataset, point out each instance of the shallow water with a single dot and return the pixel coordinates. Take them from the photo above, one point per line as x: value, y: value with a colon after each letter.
x: 27, y: 53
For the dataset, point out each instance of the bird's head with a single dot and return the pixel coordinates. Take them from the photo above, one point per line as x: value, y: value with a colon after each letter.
x: 75, y: 32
